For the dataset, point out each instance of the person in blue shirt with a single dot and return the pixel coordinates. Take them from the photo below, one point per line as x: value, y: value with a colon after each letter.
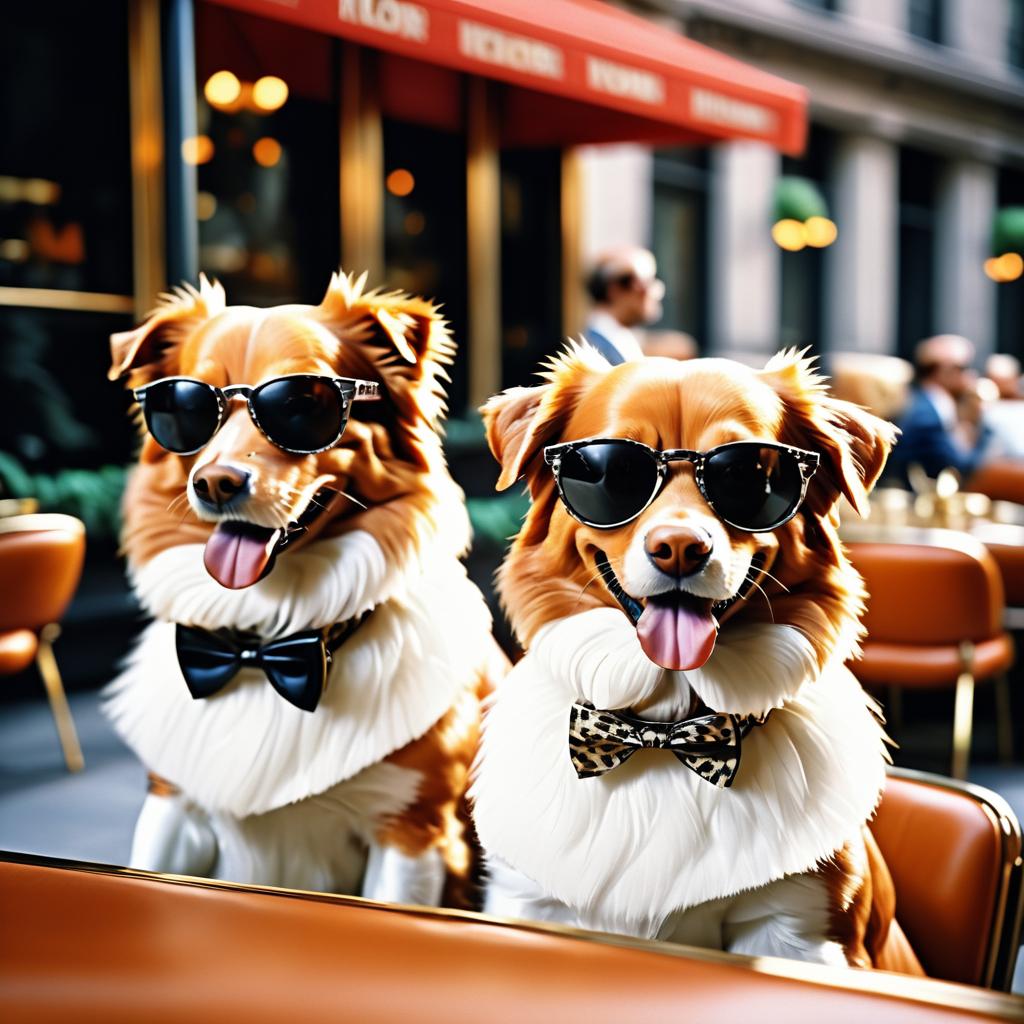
x: 627, y: 293
x: 935, y: 433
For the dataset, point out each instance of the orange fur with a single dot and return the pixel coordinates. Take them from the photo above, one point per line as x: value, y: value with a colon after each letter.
x: 390, y: 456
x: 389, y: 460
x: 438, y: 816
x: 807, y: 582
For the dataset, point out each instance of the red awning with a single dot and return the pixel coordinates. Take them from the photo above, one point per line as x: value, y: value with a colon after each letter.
x: 623, y: 77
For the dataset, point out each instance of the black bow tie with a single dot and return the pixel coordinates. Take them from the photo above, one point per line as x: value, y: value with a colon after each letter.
x: 296, y: 666
x: 708, y: 745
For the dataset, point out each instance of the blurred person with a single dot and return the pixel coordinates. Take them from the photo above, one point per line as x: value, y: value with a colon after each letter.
x: 876, y: 382
x: 942, y: 426
x: 627, y: 293
x: 1004, y: 414
x: 1004, y: 371
x: 669, y: 344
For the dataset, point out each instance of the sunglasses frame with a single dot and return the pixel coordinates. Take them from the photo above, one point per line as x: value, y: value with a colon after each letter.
x: 807, y: 462
x: 350, y: 389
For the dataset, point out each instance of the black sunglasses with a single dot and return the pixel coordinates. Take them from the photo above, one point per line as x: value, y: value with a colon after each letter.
x: 751, y: 485
x: 301, y: 413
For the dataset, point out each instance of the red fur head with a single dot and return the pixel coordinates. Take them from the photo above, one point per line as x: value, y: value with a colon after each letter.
x: 388, y: 462
x: 801, y: 576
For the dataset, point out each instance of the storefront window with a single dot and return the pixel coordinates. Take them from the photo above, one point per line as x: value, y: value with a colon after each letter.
x: 425, y: 227
x: 681, y: 239
x: 59, y: 411
x: 266, y: 154
x: 924, y: 19
x: 65, y: 164
x: 916, y: 290
x: 802, y: 306
x: 531, y: 262
x: 1010, y: 294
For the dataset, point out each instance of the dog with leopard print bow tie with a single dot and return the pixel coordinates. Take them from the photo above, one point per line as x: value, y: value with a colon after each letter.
x: 681, y: 753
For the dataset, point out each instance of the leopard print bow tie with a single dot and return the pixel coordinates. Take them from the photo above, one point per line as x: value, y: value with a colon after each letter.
x: 708, y: 745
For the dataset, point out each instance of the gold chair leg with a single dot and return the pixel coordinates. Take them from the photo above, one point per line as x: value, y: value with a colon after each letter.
x: 963, y: 712
x: 1004, y: 719
x: 47, y: 665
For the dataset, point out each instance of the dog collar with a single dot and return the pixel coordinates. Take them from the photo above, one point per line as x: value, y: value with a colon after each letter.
x: 708, y: 744
x: 296, y: 666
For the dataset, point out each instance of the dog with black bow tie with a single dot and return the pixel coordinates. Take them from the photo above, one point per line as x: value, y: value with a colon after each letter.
x: 307, y: 697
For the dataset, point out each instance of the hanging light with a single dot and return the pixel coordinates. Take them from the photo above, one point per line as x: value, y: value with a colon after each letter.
x: 400, y: 182
x: 801, y: 215
x: 222, y: 89
x: 266, y: 151
x: 1006, y: 262
x: 197, y: 149
x: 269, y: 93
x: 789, y: 234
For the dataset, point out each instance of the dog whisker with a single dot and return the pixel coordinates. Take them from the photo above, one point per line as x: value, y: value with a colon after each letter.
x: 174, y: 501
x: 767, y: 600
x: 775, y: 579
x: 355, y: 501
x: 585, y: 588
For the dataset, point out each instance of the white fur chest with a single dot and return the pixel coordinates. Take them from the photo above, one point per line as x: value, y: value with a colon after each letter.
x: 629, y: 848
x: 246, y: 750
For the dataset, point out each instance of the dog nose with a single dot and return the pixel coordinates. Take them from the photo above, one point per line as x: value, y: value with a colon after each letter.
x: 678, y: 550
x: 217, y: 484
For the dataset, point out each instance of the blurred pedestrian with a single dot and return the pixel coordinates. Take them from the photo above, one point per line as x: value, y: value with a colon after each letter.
x: 1005, y: 413
x: 669, y: 344
x: 626, y: 292
x: 1004, y: 371
x: 942, y: 426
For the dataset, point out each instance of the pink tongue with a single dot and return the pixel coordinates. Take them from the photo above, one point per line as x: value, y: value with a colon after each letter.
x: 237, y: 553
x: 675, y: 636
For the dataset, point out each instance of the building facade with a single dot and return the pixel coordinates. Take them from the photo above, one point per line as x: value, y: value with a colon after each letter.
x: 916, y: 141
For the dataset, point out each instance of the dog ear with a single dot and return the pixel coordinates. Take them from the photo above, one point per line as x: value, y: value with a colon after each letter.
x: 515, y: 433
x: 176, y: 315
x: 853, y: 443
x: 520, y: 422
x: 409, y: 341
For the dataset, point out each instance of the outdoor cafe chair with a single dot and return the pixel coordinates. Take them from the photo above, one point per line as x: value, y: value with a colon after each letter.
x: 41, y: 558
x: 934, y: 618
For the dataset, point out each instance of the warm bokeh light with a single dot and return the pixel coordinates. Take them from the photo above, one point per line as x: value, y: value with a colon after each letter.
x: 789, y: 235
x: 266, y: 151
x: 400, y: 182
x: 820, y: 232
x: 38, y: 191
x: 1011, y: 266
x: 206, y: 205
x: 1005, y: 268
x: 222, y: 89
x: 14, y: 250
x: 197, y: 149
x: 414, y: 223
x: 269, y: 93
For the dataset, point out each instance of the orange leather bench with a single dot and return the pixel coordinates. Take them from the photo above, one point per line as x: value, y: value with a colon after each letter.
x: 110, y: 945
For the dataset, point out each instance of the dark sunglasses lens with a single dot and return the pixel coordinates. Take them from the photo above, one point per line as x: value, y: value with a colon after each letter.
x: 753, y: 487
x: 607, y: 482
x: 302, y: 414
x: 182, y: 415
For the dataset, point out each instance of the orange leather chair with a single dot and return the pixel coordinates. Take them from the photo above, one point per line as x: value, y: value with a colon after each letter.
x: 1001, y: 480
x: 934, y: 618
x: 954, y: 852
x: 112, y: 945
x: 1010, y: 559
x: 40, y: 564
